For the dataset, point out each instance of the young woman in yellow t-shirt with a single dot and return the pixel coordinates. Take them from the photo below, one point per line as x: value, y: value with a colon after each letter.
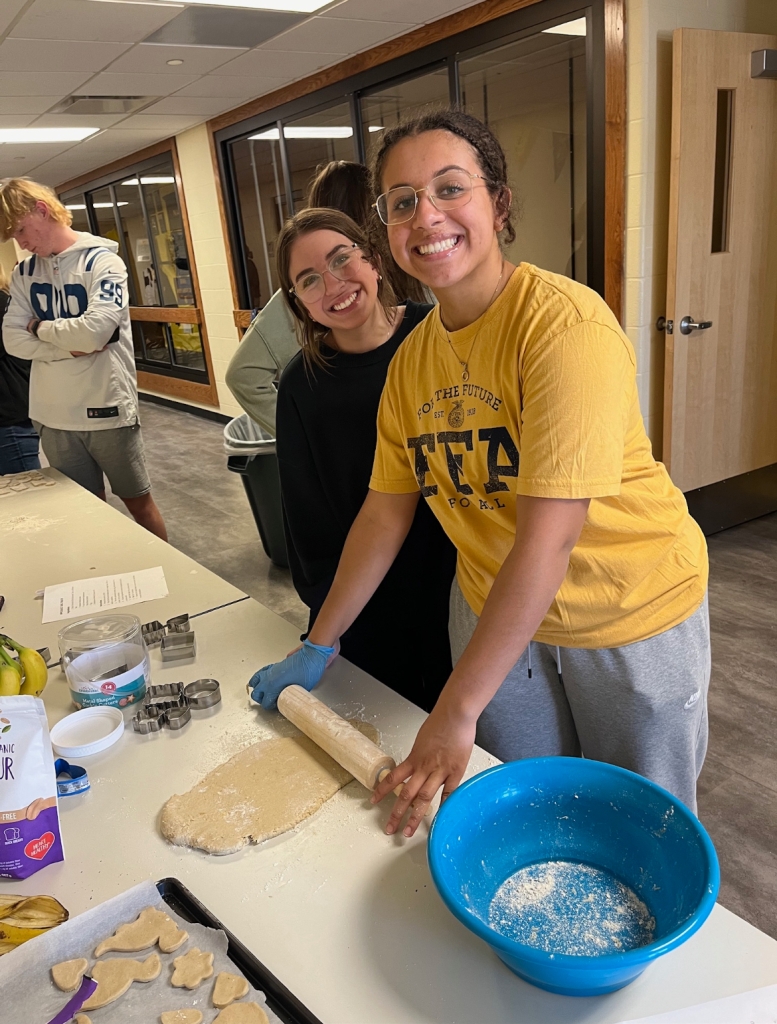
x: 578, y: 619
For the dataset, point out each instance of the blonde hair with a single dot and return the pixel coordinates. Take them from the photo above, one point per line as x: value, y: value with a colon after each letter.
x: 18, y: 197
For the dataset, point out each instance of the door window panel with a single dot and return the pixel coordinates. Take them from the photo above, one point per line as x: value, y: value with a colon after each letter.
x: 77, y: 208
x: 314, y: 141
x: 384, y: 108
x: 187, y: 346
x: 262, y: 208
x: 167, y: 235
x: 140, y: 264
x: 532, y: 93
x: 155, y: 338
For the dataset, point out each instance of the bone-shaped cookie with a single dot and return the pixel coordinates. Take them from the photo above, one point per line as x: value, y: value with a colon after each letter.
x: 152, y: 926
x: 114, y: 977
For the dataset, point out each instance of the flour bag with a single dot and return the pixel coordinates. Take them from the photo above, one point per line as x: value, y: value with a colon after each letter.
x: 29, y: 821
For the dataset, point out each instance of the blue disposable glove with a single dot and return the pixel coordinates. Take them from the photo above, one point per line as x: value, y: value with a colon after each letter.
x: 304, y: 667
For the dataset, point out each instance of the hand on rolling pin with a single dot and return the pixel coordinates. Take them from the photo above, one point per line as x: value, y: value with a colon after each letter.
x: 305, y: 666
x: 439, y: 757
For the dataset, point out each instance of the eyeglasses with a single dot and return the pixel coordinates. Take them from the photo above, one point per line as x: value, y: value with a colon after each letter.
x: 312, y: 286
x: 447, y: 191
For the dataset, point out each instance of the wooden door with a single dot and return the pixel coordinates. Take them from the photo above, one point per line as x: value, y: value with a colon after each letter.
x: 720, y: 387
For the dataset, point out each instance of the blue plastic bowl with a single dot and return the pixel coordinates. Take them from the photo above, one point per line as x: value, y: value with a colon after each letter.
x: 569, y: 808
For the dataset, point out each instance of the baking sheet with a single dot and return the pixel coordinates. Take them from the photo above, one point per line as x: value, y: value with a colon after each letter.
x: 30, y: 997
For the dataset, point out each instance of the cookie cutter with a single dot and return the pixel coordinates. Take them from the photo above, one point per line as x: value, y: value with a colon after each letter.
x: 152, y: 632
x: 152, y: 717
x: 76, y: 781
x: 202, y: 693
x: 166, y: 695
x: 144, y: 722
x: 176, y: 718
x: 178, y: 624
x: 178, y: 646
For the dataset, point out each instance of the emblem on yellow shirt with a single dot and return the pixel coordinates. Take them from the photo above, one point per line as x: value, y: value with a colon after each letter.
x: 456, y: 415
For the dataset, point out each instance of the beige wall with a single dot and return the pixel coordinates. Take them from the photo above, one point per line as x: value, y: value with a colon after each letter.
x: 650, y: 24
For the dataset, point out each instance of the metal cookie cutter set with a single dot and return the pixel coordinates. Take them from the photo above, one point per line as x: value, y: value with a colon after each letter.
x: 176, y: 638
x: 171, y: 704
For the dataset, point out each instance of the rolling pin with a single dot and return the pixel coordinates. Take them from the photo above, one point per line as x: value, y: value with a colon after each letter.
x: 346, y: 745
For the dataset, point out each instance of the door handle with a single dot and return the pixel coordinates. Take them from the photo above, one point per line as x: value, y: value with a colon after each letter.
x: 687, y: 324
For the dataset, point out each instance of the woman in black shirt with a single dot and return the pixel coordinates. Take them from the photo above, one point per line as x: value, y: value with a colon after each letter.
x: 350, y: 326
x: 18, y: 438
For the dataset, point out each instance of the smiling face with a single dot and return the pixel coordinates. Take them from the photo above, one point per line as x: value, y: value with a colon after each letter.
x: 345, y: 305
x: 448, y: 247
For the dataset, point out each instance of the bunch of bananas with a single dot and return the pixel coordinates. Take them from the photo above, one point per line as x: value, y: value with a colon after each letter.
x: 27, y: 676
x: 24, y: 917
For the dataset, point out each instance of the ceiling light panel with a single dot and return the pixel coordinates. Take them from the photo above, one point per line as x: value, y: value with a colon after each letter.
x: 151, y: 180
x: 285, y: 6
x: 569, y: 28
x: 309, y: 132
x: 17, y: 135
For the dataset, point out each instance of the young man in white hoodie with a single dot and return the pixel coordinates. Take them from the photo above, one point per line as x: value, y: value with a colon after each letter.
x: 69, y: 314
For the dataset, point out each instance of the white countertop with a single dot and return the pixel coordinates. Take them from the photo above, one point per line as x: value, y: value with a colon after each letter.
x: 344, y: 915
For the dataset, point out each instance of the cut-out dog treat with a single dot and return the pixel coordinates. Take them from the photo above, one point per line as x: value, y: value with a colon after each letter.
x: 151, y: 927
x: 81, y: 1018
x: 67, y: 975
x: 181, y: 1017
x: 114, y: 977
x: 192, y: 968
x: 227, y: 988
x: 242, y: 1013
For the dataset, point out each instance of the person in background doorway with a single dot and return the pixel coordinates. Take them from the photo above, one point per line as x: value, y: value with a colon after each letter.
x: 18, y: 438
x: 579, y: 620
x: 69, y: 315
x: 351, y: 327
x: 271, y: 340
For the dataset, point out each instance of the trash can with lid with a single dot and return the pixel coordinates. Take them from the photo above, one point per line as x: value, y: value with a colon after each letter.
x: 251, y: 452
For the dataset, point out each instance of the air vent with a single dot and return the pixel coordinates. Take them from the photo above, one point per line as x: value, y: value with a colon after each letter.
x: 224, y: 26
x: 102, y: 104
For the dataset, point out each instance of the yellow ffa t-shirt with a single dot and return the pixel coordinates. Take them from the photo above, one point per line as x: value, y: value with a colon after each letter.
x: 550, y: 410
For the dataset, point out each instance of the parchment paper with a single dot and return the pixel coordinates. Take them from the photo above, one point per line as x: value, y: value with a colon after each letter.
x: 30, y: 997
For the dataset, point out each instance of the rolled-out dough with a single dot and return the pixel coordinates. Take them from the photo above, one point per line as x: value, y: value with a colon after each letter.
x: 151, y: 926
x: 264, y: 790
x: 67, y: 975
x: 242, y: 1013
x: 181, y: 1017
x: 228, y: 988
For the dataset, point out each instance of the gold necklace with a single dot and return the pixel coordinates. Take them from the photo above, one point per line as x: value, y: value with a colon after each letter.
x: 465, y: 362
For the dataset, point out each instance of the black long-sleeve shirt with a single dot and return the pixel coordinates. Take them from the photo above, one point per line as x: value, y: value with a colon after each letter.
x: 327, y: 432
x: 14, y: 381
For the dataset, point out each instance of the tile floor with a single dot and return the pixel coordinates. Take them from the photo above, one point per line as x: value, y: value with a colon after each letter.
x: 208, y: 517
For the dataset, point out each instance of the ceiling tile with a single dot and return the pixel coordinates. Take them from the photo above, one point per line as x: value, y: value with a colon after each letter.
x: 153, y: 57
x: 195, y: 105
x: 335, y: 35
x: 285, y: 65
x: 84, y: 19
x: 23, y: 54
x: 27, y: 104
x: 233, y: 87
x: 170, y: 123
x: 16, y: 120
x: 224, y: 26
x: 77, y: 120
x: 8, y: 11
x: 420, y: 12
x: 108, y: 84
x: 40, y: 83
x: 20, y: 159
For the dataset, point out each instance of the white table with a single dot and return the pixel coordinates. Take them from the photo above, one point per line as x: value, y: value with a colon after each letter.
x: 56, y: 534
x: 344, y: 915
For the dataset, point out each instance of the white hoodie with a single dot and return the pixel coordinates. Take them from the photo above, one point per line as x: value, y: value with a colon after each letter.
x: 80, y: 297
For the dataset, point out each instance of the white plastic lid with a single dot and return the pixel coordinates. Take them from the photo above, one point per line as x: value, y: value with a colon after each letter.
x: 87, y: 731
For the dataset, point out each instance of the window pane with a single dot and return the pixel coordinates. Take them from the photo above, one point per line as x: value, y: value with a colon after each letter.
x: 532, y: 94
x: 187, y: 346
x: 103, y: 211
x: 141, y: 267
x: 313, y: 141
x: 167, y: 234
x: 155, y: 336
x: 77, y: 207
x: 137, y: 341
x: 261, y: 203
x: 407, y: 99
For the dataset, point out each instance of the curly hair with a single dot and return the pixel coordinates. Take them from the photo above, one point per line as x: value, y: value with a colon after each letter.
x: 488, y: 151
x: 311, y: 334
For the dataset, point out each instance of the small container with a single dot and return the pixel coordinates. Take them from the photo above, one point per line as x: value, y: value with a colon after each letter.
x: 105, y: 660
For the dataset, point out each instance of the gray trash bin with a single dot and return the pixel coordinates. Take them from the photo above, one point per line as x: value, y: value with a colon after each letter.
x: 251, y: 453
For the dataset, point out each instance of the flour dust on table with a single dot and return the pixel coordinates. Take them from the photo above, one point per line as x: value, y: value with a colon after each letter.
x: 570, y: 908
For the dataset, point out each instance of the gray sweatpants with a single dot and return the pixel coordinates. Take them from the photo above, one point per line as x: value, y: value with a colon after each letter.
x: 642, y: 706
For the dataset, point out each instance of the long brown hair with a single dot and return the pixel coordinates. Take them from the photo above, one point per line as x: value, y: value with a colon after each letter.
x: 311, y: 334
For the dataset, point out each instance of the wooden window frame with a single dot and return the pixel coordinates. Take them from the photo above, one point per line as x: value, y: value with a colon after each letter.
x: 609, y: 93
x: 180, y: 387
